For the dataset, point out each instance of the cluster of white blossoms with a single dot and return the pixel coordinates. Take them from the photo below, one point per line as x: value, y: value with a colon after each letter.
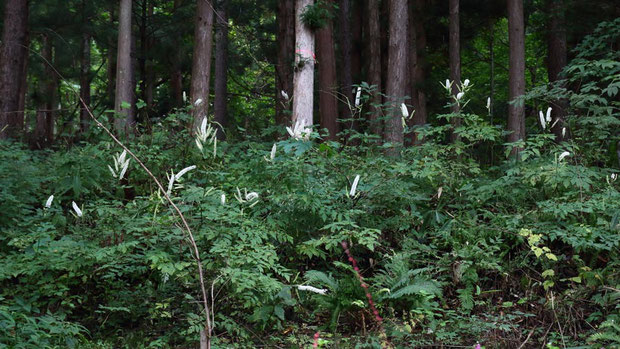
x: 173, y: 178
x: 299, y: 131
x: 545, y: 120
x: 76, y: 208
x: 463, y: 88
x: 120, y: 165
x: 248, y: 197
x: 612, y: 178
x: 206, y: 134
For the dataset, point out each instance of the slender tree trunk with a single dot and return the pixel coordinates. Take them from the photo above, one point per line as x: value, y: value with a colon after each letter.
x: 201, y: 65
x: 356, y: 41
x: 124, y: 99
x: 516, y: 83
x: 374, y: 66
x: 176, y: 75
x: 23, y: 86
x: 328, y: 103
x: 492, y: 69
x: 419, y: 65
x: 221, y: 67
x: 13, y: 52
x: 147, y: 75
x: 111, y: 67
x: 556, y: 61
x: 455, y: 63
x: 44, y: 129
x: 85, y: 82
x: 303, y: 80
x: 397, y: 73
x: 346, y: 47
x: 176, y: 83
x: 286, y: 58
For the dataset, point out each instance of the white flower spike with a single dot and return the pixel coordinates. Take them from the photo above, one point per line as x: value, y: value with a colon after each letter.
x: 223, y: 199
x: 548, y: 117
x: 563, y: 132
x: 489, y: 104
x: 76, y: 208
x: 48, y: 203
x: 404, y: 110
x: 563, y: 155
x: 171, y: 179
x: 466, y: 83
x: 198, y: 102
x: 184, y: 171
x: 358, y: 96
x: 460, y: 95
x: 272, y: 155
x: 542, y: 120
x: 354, y: 186
x: 312, y: 289
x: 284, y: 95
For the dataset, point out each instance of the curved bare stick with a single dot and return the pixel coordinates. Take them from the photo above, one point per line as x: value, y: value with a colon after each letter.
x: 178, y: 211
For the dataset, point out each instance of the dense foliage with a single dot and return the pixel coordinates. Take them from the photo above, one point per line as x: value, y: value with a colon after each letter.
x: 455, y: 249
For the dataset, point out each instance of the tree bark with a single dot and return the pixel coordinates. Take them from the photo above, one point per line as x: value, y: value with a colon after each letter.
x: 346, y: 47
x: 455, y: 63
x: 303, y: 80
x: 13, y: 53
x: 176, y: 75
x: 374, y: 66
x: 221, y: 67
x: 124, y: 100
x: 328, y: 103
x: 516, y: 79
x: 111, y: 64
x: 556, y: 61
x: 44, y: 128
x: 286, y: 58
x: 418, y: 65
x: 201, y: 64
x: 397, y: 73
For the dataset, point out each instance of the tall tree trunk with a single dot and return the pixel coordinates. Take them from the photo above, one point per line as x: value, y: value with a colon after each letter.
x: 85, y: 82
x: 221, y: 67
x: 286, y: 57
x: 492, y: 69
x: 147, y: 76
x: 374, y: 66
x: 44, y: 129
x: 516, y: 67
x: 346, y: 47
x: 176, y: 75
x: 419, y: 65
x: 201, y: 64
x: 556, y: 60
x: 111, y: 66
x: 397, y: 73
x: 23, y: 86
x: 356, y: 40
x: 328, y: 103
x: 303, y: 80
x: 124, y: 100
x: 13, y: 52
x: 455, y: 63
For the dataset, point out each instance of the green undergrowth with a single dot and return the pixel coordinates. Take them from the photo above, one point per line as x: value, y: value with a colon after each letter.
x: 457, y: 247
